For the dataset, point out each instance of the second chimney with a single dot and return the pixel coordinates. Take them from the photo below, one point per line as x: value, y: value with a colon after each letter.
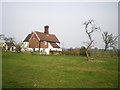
x: 46, y: 29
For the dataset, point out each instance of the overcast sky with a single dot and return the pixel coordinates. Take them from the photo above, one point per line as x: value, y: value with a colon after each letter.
x: 65, y: 20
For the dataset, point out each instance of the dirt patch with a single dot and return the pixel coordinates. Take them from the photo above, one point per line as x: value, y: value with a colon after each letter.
x: 87, y: 69
x: 94, y: 70
x: 97, y: 61
x: 81, y: 69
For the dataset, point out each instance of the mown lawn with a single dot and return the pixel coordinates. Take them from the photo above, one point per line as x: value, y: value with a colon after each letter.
x: 55, y: 71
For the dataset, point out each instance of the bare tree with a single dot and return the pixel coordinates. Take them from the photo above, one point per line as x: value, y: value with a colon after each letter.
x: 109, y: 40
x: 6, y: 39
x: 9, y: 39
x: 2, y: 37
x: 90, y: 27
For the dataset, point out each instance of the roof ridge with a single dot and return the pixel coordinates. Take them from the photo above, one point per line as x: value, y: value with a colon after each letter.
x: 43, y: 36
x: 43, y: 33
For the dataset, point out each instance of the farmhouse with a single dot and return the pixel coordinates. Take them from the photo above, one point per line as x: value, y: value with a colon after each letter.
x: 10, y: 46
x: 45, y: 43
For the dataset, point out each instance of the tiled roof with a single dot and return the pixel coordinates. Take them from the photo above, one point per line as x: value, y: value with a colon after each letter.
x: 54, y: 45
x: 27, y: 38
x: 47, y: 37
x: 10, y: 43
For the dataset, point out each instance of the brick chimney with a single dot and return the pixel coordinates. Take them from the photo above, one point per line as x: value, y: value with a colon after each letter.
x: 46, y: 29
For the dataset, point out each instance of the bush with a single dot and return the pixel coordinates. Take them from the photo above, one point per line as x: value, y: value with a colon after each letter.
x: 101, y: 53
x: 74, y: 52
x: 18, y: 48
x: 83, y: 51
x: 93, y: 53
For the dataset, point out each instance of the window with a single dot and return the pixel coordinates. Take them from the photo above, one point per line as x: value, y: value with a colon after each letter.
x: 45, y: 43
x: 34, y: 37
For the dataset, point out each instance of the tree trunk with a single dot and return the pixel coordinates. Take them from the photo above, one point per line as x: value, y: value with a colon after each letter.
x: 87, y: 49
x: 87, y: 54
x: 105, y: 49
x: 106, y: 46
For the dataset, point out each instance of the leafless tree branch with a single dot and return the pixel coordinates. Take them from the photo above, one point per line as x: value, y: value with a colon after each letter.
x: 89, y: 34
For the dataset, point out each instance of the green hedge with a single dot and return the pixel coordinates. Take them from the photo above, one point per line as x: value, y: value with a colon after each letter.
x: 92, y: 53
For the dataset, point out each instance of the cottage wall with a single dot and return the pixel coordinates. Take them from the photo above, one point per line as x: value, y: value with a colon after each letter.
x: 44, y: 44
x: 34, y: 42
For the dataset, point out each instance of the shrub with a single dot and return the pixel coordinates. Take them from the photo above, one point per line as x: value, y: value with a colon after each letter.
x: 83, y: 51
x: 74, y: 52
x: 18, y: 48
x: 101, y: 53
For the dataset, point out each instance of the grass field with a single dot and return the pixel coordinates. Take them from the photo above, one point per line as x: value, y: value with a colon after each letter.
x: 57, y: 71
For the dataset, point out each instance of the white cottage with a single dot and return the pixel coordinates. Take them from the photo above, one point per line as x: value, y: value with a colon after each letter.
x: 45, y: 43
x: 9, y: 46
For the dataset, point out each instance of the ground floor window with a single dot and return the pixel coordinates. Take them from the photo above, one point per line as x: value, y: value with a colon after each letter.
x: 33, y: 49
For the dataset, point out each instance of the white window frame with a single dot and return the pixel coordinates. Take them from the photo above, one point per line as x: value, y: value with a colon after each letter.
x: 44, y: 42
